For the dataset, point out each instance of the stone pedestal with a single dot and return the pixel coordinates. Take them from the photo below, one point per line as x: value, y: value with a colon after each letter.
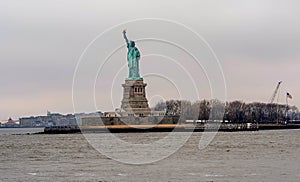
x: 134, y: 101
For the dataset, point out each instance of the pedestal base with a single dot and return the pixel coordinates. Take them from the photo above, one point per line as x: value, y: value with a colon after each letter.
x: 134, y: 101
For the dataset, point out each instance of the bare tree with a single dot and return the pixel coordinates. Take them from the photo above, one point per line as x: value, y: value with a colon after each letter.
x: 235, y: 111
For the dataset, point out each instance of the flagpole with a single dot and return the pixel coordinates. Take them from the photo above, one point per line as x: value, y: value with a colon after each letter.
x: 286, y: 108
x: 277, y: 111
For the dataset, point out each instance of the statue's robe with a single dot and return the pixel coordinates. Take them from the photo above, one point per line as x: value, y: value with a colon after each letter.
x: 133, y: 57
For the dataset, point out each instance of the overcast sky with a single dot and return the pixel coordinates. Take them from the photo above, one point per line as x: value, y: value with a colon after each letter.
x: 257, y: 43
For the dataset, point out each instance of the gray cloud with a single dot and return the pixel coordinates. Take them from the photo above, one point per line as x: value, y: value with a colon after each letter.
x: 40, y: 43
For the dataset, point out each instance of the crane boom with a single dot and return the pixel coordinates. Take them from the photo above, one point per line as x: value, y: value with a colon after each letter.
x: 275, y: 92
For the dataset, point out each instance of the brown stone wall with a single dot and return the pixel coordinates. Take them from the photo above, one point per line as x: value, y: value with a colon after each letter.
x: 99, y: 121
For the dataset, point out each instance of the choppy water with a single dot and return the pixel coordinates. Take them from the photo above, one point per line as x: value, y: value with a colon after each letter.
x: 239, y: 156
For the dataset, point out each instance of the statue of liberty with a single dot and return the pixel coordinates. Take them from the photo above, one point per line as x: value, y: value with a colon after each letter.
x: 133, y: 57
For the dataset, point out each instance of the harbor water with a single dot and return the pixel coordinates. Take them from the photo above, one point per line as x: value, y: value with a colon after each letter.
x: 269, y: 155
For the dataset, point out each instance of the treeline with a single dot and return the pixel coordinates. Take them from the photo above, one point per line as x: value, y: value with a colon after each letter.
x: 235, y: 111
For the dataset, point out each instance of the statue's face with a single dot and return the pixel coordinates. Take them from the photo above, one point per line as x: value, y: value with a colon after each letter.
x: 131, y: 44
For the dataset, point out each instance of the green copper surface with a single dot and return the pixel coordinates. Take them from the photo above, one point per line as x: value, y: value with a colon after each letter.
x: 133, y: 57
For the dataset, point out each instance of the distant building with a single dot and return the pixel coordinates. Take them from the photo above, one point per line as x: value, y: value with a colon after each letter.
x: 10, y: 123
x: 80, y: 116
x: 55, y: 119
x: 49, y: 120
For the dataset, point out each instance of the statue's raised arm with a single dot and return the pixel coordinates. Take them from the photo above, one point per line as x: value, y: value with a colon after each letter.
x: 125, y: 37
